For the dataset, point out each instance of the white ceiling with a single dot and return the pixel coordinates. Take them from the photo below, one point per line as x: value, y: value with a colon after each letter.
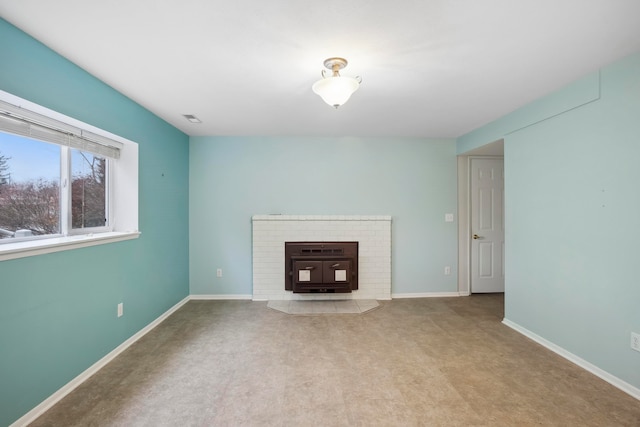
x: 430, y: 68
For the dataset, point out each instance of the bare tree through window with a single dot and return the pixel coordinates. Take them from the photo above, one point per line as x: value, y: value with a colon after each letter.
x: 88, y: 187
x: 28, y: 207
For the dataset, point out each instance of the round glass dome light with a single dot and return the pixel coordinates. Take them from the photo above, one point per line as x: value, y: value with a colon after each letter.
x: 336, y: 90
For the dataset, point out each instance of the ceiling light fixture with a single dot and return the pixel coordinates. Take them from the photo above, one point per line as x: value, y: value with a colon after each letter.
x: 336, y: 89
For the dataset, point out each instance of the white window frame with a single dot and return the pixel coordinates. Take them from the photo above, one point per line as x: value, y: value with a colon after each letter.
x: 66, y: 225
x: 122, y: 188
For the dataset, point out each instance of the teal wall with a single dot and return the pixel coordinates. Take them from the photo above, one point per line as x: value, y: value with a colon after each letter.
x: 58, y: 311
x: 233, y: 178
x: 574, y: 95
x: 572, y: 205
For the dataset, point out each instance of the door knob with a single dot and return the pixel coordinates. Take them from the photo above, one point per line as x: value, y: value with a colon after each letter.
x: 476, y: 237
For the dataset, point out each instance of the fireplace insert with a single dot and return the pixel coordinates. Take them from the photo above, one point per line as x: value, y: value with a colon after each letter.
x: 321, y: 267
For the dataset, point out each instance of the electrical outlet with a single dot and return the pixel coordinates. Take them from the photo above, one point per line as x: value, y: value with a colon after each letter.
x: 120, y: 309
x: 635, y: 341
x: 448, y: 217
x: 219, y: 272
x: 447, y: 271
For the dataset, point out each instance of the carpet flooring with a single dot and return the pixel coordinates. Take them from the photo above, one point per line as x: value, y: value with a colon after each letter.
x: 410, y: 362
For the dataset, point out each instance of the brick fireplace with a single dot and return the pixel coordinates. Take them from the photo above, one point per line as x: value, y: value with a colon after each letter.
x: 372, y: 232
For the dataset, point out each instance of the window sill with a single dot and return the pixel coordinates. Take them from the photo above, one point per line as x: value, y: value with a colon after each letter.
x: 45, y: 246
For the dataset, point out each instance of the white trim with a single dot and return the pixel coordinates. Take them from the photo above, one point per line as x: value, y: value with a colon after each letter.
x: 613, y: 380
x: 464, y: 226
x: 56, y: 244
x: 427, y: 295
x: 222, y: 297
x: 280, y: 217
x: 31, y: 416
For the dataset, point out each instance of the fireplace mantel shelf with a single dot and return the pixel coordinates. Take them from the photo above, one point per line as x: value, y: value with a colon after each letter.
x: 279, y: 217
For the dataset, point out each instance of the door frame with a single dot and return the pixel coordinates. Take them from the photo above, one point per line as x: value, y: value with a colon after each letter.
x: 464, y: 221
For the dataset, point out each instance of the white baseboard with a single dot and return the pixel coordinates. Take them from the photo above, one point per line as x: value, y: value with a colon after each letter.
x: 221, y: 297
x: 31, y: 416
x: 427, y: 295
x: 613, y: 380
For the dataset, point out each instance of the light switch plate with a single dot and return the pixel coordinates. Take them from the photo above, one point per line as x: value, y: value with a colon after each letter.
x: 635, y: 341
x: 448, y: 217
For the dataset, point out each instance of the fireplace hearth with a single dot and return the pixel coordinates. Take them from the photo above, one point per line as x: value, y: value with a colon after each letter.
x: 321, y: 267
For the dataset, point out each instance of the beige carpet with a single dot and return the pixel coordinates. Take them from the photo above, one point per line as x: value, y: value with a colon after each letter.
x: 410, y: 362
x: 352, y: 306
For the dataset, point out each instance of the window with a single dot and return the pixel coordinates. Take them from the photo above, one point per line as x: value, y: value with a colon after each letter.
x: 88, y: 190
x: 29, y: 188
x: 61, y: 180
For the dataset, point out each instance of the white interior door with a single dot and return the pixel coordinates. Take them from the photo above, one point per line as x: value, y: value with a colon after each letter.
x: 487, y: 225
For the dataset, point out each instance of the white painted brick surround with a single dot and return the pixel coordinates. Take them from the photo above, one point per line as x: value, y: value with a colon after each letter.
x: 372, y: 232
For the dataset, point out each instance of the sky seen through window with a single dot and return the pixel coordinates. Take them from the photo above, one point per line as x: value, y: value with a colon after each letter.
x: 30, y: 159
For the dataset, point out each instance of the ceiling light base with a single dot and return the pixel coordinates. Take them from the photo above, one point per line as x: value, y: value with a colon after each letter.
x: 335, y: 64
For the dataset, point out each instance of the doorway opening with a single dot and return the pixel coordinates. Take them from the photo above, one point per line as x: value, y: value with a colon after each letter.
x: 480, y: 215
